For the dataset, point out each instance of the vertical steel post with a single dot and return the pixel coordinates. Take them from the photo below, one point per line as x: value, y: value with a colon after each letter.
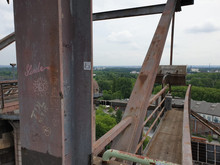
x: 54, y: 58
x: 172, y: 36
x: 2, y: 94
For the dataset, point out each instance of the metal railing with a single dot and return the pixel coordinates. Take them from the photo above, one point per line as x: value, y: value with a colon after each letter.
x: 186, y: 138
x: 101, y: 143
x: 8, y: 90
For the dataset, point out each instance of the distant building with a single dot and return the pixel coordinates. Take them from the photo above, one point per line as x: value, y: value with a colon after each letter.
x: 209, y: 111
x: 134, y: 72
x: 195, y: 70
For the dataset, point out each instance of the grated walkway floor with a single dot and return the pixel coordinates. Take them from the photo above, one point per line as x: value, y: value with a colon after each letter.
x: 166, y: 144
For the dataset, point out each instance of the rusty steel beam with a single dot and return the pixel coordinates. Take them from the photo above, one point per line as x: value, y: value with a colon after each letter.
x: 4, y: 42
x: 100, y: 144
x: 206, y: 122
x: 186, y: 139
x: 139, y: 11
x: 9, y: 82
x: 140, y: 96
x: 54, y: 59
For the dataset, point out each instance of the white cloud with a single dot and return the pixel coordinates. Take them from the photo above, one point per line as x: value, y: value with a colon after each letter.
x: 126, y: 41
x: 205, y: 28
x: 120, y: 37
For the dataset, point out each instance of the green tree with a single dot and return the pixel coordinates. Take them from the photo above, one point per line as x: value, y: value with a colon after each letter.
x: 104, y: 123
x: 118, y: 116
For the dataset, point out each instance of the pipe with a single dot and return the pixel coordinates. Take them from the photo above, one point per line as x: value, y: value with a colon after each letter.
x: 131, y: 157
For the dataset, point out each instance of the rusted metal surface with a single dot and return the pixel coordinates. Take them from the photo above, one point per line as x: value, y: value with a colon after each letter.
x: 172, y: 37
x: 100, y: 144
x: 176, y: 74
x: 162, y: 91
x: 9, y: 82
x: 186, y: 139
x: 139, y: 11
x: 131, y: 157
x: 149, y: 117
x: 174, y: 69
x: 54, y: 58
x: 198, y: 139
x: 148, y: 131
x: 206, y: 122
x: 39, y: 77
x: 7, y: 40
x: 139, y: 99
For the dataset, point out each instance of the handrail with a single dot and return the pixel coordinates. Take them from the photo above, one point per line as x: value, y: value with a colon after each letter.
x: 149, y: 117
x: 186, y: 139
x: 7, y: 85
x: 158, y: 94
x: 131, y: 157
x: 206, y: 122
x: 100, y: 144
x: 148, y: 131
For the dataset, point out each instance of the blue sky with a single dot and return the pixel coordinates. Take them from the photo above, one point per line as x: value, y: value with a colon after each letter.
x: 126, y: 41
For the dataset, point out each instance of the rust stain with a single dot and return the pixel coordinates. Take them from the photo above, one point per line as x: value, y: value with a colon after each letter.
x: 143, y: 78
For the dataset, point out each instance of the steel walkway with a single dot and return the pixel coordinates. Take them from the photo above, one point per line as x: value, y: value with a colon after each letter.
x: 166, y: 143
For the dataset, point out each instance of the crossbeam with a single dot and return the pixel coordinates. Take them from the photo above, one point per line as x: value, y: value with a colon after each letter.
x: 138, y: 11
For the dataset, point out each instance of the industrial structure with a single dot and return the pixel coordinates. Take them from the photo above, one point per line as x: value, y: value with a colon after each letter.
x: 53, y: 96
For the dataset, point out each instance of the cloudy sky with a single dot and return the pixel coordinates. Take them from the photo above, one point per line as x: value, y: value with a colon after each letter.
x: 125, y: 41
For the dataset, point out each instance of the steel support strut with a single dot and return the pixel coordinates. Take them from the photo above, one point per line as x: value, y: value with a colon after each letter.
x: 7, y: 40
x: 139, y: 99
x: 54, y: 58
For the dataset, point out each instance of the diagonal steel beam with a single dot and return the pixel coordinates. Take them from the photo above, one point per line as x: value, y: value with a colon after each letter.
x: 206, y: 122
x: 139, y: 99
x: 7, y: 40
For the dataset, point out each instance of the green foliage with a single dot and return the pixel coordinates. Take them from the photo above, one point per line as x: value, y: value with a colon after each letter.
x: 104, y: 123
x: 209, y: 138
x: 197, y: 93
x: 146, y: 141
x: 110, y: 110
x: 118, y: 116
x: 115, y: 83
x: 7, y: 73
x: 211, y: 80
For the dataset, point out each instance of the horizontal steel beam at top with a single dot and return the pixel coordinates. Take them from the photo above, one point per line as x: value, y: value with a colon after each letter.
x: 139, y: 11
